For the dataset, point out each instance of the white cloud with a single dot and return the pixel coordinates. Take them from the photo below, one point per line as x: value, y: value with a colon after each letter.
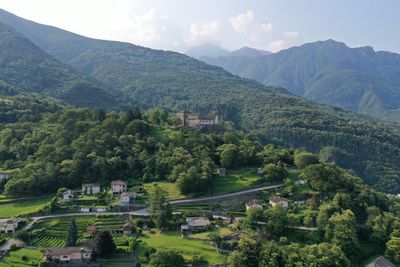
x: 288, y: 39
x: 149, y: 29
x: 206, y: 32
x: 241, y: 22
x: 267, y: 27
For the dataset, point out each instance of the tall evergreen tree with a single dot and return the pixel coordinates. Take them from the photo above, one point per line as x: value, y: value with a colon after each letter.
x: 105, y: 245
x: 72, y: 234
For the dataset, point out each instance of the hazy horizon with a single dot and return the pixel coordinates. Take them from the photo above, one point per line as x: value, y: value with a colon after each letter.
x: 267, y: 25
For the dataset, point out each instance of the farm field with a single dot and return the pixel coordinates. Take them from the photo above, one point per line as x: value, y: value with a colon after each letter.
x: 170, y: 190
x: 22, y: 208
x: 51, y: 232
x: 235, y: 180
x: 14, y: 258
x: 188, y: 248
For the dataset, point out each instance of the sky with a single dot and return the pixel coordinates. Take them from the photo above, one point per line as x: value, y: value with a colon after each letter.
x: 180, y: 24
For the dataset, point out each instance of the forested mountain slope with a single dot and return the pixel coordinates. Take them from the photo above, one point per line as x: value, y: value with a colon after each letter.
x: 160, y: 78
x: 26, y: 68
x: 358, y: 79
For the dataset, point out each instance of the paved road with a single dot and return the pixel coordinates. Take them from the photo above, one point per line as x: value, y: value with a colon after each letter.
x: 230, y: 195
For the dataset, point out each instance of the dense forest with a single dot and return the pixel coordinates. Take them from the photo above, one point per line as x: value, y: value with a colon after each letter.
x: 49, y: 146
x: 153, y: 79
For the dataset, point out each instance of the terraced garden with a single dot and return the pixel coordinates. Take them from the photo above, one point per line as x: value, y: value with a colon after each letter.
x: 51, y: 232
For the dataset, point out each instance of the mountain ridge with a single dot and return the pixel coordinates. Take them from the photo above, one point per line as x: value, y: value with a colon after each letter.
x: 26, y: 68
x: 328, y: 72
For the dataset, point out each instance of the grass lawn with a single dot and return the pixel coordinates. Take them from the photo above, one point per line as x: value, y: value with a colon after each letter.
x: 22, y: 207
x: 235, y: 180
x: 14, y: 258
x: 188, y: 248
x: 222, y: 231
x: 170, y: 190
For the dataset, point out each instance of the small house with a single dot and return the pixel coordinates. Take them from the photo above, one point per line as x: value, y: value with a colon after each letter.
x: 8, y: 226
x: 220, y: 171
x: 5, y: 176
x: 380, y: 262
x: 127, y: 228
x: 254, y: 204
x: 197, y: 224
x: 68, y: 255
x: 300, y: 182
x: 100, y: 209
x: 90, y: 189
x: 68, y: 195
x: 85, y: 209
x: 119, y: 186
x: 127, y: 198
x: 275, y: 200
x: 260, y: 171
x: 91, y: 230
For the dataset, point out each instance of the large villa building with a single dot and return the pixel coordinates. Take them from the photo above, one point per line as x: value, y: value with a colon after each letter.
x: 192, y: 120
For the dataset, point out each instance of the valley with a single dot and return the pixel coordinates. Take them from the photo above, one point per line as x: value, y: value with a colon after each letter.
x: 115, y: 154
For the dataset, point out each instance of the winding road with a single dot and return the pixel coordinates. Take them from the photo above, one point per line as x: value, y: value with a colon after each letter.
x: 229, y: 195
x: 142, y: 212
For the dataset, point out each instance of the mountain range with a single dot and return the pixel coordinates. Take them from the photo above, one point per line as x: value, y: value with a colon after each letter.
x: 329, y: 72
x: 116, y: 75
x: 213, y: 51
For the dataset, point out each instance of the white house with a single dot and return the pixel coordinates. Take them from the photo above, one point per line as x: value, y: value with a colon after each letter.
x: 254, y: 204
x: 100, y: 209
x: 68, y: 195
x: 300, y: 182
x: 8, y: 226
x: 90, y: 189
x: 127, y: 228
x: 5, y: 176
x: 197, y: 223
x: 127, y: 198
x: 119, y: 186
x: 275, y: 200
x: 220, y: 171
x: 68, y: 255
x: 85, y: 209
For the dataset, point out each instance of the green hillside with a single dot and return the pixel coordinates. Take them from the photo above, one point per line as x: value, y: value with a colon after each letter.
x: 155, y: 78
x: 26, y: 68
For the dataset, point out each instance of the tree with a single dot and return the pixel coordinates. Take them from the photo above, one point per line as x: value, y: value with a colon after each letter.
x: 163, y: 216
x: 276, y: 220
x: 166, y: 258
x: 157, y: 200
x: 105, y: 245
x: 342, y: 231
x: 72, y: 234
x: 248, y: 251
x: 303, y: 159
x: 275, y: 172
x: 393, y: 248
x: 229, y: 155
